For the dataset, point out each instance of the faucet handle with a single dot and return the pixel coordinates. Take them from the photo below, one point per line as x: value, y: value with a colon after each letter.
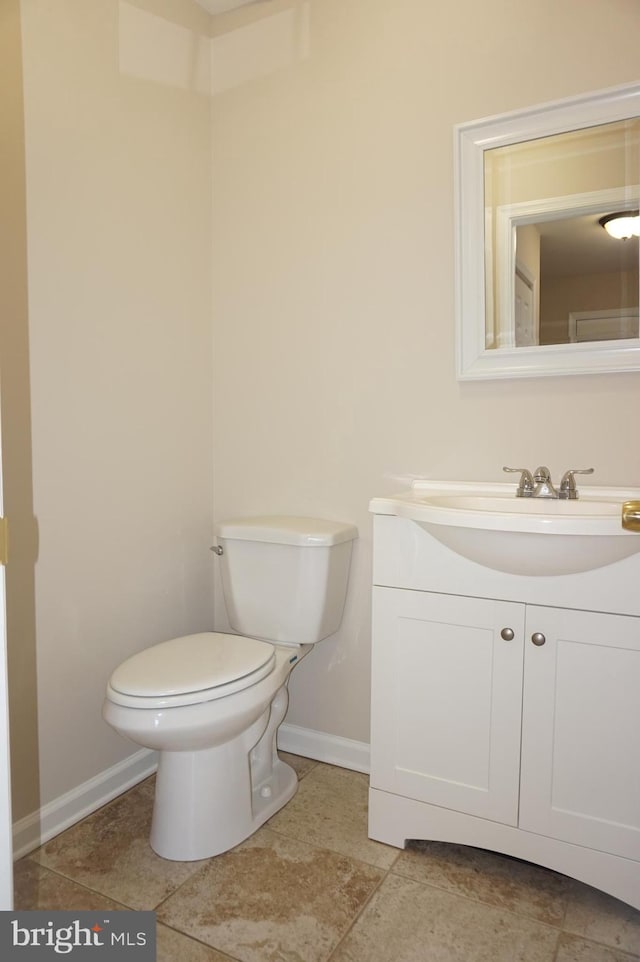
x: 526, y: 486
x: 568, y: 487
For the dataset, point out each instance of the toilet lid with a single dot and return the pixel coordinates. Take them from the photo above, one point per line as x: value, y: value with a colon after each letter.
x: 191, y: 664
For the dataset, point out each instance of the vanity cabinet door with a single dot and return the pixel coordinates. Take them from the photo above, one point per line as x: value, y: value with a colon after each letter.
x: 446, y: 700
x: 580, y: 779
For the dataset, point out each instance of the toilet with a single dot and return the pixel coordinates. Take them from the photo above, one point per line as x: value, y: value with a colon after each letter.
x: 211, y: 703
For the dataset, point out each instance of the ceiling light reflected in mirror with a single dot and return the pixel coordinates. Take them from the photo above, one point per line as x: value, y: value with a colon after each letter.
x: 623, y: 225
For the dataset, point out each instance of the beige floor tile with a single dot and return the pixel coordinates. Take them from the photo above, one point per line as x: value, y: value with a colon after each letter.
x: 35, y: 887
x: 109, y: 852
x: 330, y: 809
x: 272, y: 899
x: 302, y: 766
x: 488, y: 877
x: 600, y: 918
x: 407, y: 921
x: 574, y: 949
x: 277, y: 898
x: 174, y: 947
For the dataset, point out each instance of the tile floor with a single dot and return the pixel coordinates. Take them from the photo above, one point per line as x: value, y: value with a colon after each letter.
x: 311, y: 887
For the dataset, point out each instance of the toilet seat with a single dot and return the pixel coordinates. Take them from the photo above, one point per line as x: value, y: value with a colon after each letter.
x: 191, y: 669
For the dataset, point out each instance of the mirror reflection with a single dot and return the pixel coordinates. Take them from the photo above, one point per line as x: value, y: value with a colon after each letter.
x: 553, y: 272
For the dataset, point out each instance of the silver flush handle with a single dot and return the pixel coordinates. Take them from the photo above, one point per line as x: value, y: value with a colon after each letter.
x: 217, y: 549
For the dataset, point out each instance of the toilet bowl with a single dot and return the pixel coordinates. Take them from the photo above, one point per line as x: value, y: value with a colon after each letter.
x: 211, y: 703
x: 219, y: 777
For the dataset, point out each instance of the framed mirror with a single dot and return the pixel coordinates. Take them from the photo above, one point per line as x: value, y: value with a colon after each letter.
x: 542, y: 285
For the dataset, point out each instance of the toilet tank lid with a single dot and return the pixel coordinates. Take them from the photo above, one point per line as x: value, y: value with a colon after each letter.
x: 283, y: 529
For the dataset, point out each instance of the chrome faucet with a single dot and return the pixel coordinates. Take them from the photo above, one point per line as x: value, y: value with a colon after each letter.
x: 526, y: 485
x: 568, y: 487
x: 539, y: 484
x: 544, y: 487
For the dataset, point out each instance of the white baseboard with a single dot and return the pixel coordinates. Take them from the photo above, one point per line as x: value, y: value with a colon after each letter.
x: 332, y: 749
x: 34, y: 830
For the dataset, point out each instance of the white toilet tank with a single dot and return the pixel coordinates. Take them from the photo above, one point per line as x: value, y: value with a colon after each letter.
x: 285, y: 578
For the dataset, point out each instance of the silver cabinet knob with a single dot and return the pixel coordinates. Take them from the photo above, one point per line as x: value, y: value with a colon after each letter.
x: 538, y: 638
x: 507, y: 634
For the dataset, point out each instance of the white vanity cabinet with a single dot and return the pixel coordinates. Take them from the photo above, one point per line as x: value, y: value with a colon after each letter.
x: 580, y: 761
x: 447, y: 700
x: 506, y: 709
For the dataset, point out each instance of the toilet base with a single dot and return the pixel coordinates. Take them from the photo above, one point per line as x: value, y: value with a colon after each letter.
x: 208, y: 801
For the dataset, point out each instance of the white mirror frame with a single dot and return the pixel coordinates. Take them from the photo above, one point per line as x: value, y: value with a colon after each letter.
x: 474, y: 360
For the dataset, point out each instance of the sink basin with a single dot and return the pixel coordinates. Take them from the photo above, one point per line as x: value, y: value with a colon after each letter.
x: 487, y: 524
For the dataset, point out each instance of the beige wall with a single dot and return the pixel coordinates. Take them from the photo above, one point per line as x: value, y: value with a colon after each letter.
x: 562, y: 295
x: 333, y: 278
x: 118, y: 185
x: 594, y: 159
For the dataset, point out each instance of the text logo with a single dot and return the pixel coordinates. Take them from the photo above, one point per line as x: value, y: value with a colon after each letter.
x: 80, y: 936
